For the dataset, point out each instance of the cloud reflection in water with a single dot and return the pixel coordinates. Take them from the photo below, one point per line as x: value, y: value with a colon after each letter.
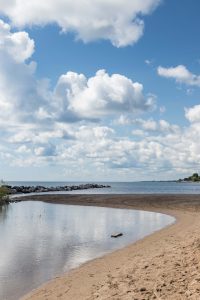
x: 41, y: 240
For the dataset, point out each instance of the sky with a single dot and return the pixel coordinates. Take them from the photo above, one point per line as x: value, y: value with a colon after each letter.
x: 104, y: 90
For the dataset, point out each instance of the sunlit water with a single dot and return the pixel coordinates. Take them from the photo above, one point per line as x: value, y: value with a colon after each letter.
x: 41, y: 240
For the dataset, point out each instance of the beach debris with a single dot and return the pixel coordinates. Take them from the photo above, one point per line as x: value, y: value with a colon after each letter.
x: 116, y: 235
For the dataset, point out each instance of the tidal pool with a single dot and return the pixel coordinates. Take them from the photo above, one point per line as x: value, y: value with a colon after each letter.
x: 40, y: 240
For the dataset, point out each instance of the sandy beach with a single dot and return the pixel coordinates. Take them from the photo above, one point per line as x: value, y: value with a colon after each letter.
x: 164, y: 265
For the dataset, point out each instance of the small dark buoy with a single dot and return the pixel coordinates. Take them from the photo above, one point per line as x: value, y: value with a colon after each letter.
x: 116, y: 235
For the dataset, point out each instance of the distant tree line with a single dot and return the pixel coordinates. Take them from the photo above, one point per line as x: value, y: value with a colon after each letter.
x: 194, y: 178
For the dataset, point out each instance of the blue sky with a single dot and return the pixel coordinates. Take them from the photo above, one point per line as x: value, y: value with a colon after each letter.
x: 63, y: 119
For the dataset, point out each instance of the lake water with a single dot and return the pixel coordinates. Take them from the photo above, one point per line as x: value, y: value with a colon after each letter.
x: 41, y: 240
x: 142, y: 187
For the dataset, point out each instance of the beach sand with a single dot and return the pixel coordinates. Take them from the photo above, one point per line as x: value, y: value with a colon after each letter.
x: 164, y: 265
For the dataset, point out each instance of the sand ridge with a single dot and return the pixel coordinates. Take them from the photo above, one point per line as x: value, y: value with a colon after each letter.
x: 164, y: 265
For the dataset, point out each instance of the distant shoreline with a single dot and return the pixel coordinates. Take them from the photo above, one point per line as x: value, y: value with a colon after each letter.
x: 163, y: 265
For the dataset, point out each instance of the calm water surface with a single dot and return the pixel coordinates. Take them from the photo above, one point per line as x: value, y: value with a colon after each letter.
x: 142, y: 187
x: 41, y: 240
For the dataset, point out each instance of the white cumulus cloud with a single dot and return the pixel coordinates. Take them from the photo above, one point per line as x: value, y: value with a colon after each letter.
x: 100, y: 95
x: 25, y: 99
x: 193, y: 113
x: 181, y: 74
x: 120, y: 21
x: 18, y: 44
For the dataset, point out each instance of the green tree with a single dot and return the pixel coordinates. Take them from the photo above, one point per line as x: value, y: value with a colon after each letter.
x: 195, y: 175
x: 3, y: 191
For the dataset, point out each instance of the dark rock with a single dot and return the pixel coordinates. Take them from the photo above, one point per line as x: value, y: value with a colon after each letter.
x: 41, y: 189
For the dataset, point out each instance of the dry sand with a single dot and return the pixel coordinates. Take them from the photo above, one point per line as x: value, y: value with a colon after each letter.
x: 164, y: 265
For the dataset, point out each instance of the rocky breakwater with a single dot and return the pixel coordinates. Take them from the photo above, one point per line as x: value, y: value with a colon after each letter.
x: 43, y: 189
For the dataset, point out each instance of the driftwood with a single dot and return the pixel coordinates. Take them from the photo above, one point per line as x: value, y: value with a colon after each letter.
x: 116, y: 235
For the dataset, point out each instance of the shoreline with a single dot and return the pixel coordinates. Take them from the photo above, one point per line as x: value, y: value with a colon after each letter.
x: 163, y: 265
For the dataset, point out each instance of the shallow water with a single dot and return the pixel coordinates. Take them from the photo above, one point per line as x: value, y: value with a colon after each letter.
x: 41, y: 240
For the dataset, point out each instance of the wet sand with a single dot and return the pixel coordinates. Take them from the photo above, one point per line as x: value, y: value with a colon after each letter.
x: 164, y: 265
